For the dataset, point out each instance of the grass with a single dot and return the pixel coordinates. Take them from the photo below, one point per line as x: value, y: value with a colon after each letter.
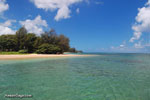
x: 10, y: 53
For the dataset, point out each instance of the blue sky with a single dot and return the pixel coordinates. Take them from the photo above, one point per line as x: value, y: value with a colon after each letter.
x: 91, y: 25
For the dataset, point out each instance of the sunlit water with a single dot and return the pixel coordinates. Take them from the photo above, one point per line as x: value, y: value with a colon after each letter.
x: 104, y: 77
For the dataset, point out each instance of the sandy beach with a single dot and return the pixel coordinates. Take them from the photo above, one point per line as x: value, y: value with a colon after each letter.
x: 28, y: 56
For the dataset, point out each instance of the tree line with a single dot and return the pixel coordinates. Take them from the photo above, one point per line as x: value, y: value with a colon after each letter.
x: 47, y: 43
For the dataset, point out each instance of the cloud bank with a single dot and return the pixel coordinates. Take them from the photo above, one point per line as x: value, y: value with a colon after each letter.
x: 34, y: 26
x: 142, y: 22
x: 62, y: 7
x: 5, y: 27
x: 77, y: 10
x: 3, y: 6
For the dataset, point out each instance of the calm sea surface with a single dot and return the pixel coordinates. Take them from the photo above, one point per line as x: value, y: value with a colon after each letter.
x: 103, y: 77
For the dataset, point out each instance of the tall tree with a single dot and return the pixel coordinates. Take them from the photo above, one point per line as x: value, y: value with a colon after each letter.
x: 37, y: 42
x: 20, y: 37
x: 50, y: 37
x: 29, y: 42
x: 63, y: 43
x: 8, y: 43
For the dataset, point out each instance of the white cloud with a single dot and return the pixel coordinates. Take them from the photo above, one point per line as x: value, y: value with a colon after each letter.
x: 8, y: 23
x: 142, y: 22
x: 78, y: 10
x: 61, y: 5
x: 123, y: 45
x: 5, y: 27
x: 63, y: 13
x: 3, y: 6
x: 139, y: 44
x: 148, y: 3
x: 6, y: 30
x: 121, y: 48
x: 34, y: 26
x: 126, y: 49
x: 99, y: 2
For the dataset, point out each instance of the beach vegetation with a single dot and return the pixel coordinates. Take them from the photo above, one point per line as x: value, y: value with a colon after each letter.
x: 48, y: 42
x: 23, y: 51
x: 9, y: 53
x: 49, y: 49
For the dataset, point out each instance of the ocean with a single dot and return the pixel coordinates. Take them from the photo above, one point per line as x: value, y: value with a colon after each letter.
x: 103, y: 77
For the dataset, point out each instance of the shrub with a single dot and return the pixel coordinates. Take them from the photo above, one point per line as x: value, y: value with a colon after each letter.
x: 23, y: 51
x: 48, y: 49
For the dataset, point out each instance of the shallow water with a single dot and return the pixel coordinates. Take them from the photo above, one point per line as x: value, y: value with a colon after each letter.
x: 104, y: 77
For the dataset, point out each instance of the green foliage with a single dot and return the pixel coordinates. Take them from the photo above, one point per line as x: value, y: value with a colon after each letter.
x: 37, y: 42
x: 63, y: 43
x: 7, y: 43
x: 23, y: 51
x: 48, y: 49
x: 20, y: 38
x: 8, y: 53
x: 72, y: 50
x: 29, y: 42
x: 48, y: 43
x: 50, y: 37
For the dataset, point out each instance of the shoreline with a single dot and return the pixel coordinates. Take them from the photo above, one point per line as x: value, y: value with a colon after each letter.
x: 31, y: 56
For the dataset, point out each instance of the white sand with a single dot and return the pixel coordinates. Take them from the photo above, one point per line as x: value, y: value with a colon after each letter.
x: 7, y: 57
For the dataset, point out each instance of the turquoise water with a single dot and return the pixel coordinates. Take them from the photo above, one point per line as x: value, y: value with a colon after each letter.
x: 104, y: 77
